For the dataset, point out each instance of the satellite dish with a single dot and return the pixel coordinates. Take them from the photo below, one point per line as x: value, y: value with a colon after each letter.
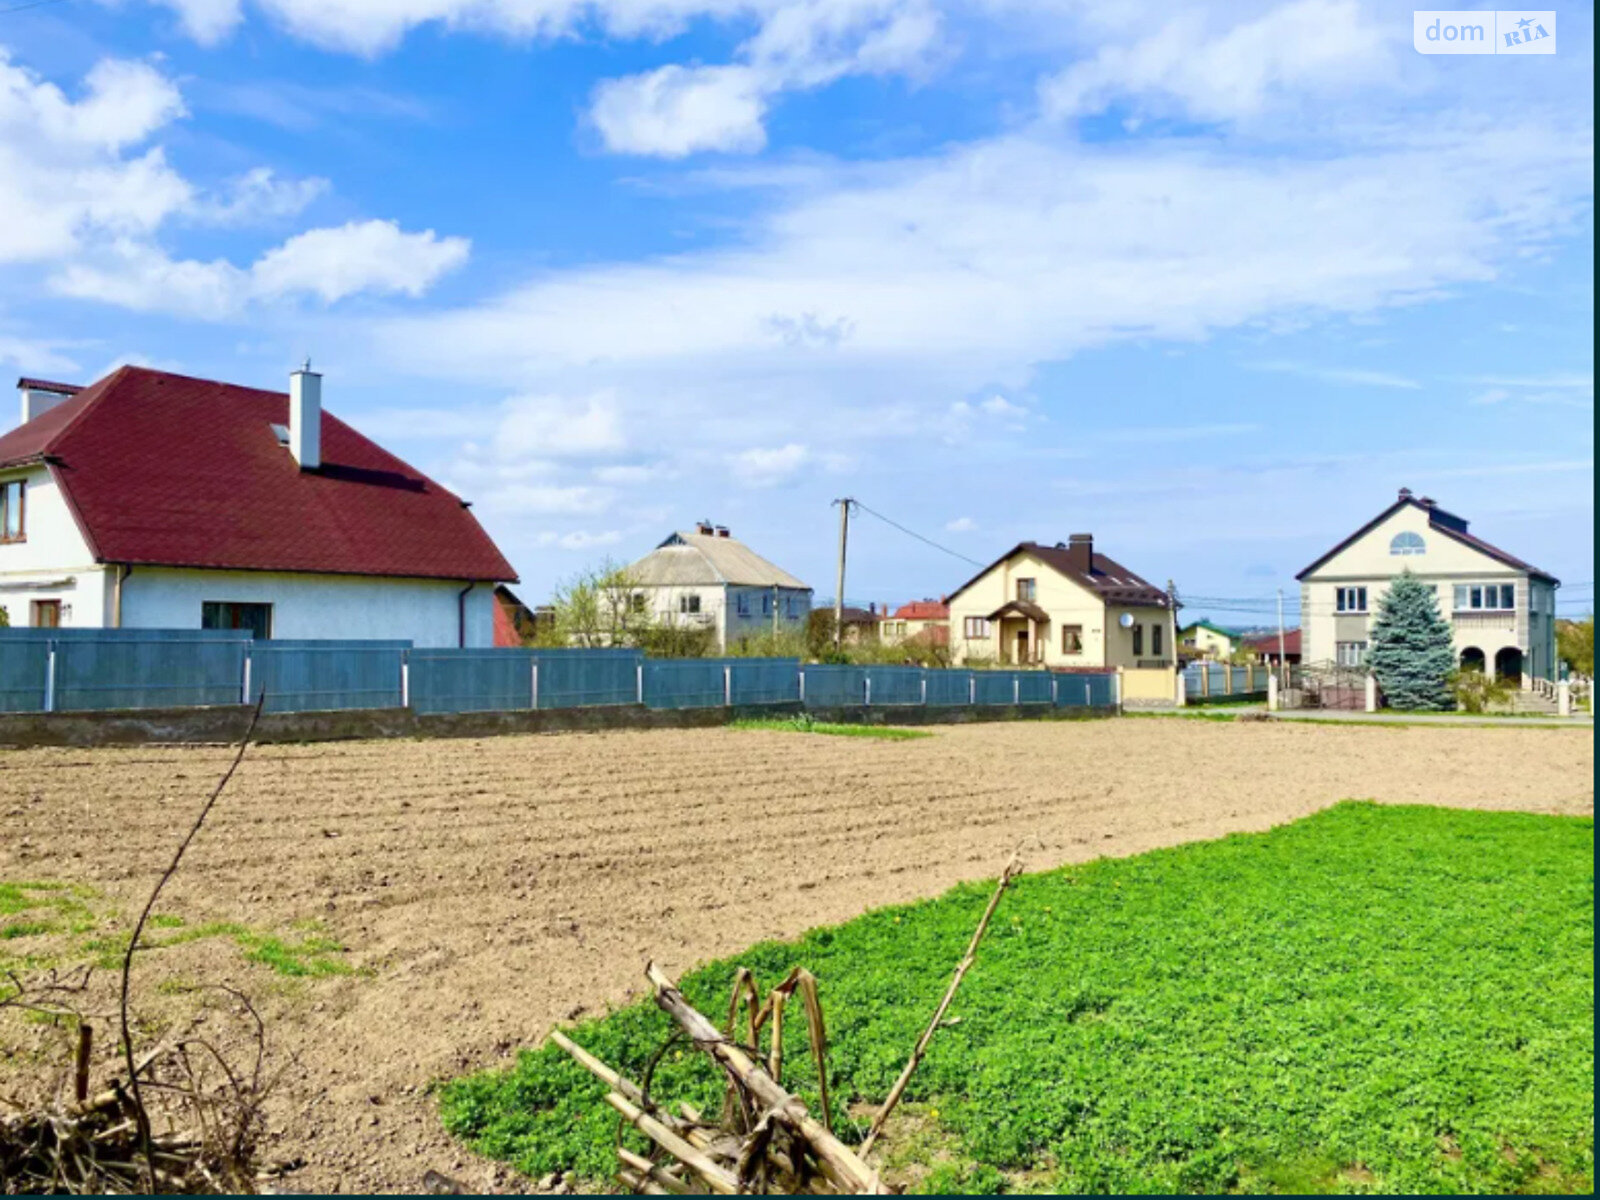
x: 1126, y: 620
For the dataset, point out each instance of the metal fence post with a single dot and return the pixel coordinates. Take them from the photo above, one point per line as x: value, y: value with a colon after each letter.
x: 869, y: 690
x: 924, y: 689
x: 50, y: 677
x: 1055, y: 689
x: 727, y: 687
x: 1016, y: 689
x: 972, y: 689
x: 535, y: 684
x: 1087, y: 701
x: 244, y: 698
x: 639, y: 683
x: 802, y: 685
x: 405, y: 679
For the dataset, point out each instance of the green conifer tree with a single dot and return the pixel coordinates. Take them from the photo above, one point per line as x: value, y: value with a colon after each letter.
x: 1412, y: 653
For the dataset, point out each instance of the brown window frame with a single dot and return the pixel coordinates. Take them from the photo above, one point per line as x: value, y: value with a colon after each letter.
x: 22, y: 507
x: 1028, y: 590
x: 36, y: 607
x: 979, y: 623
x: 1155, y: 640
x: 1138, y: 640
x: 1075, y: 632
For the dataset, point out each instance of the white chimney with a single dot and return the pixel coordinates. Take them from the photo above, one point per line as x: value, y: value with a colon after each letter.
x: 305, y: 417
x: 40, y: 396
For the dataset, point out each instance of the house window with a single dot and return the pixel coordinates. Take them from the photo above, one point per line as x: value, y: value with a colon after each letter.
x: 46, y: 614
x: 1027, y: 589
x: 1491, y: 597
x: 976, y: 629
x: 788, y: 606
x: 689, y: 603
x: 256, y: 619
x: 1072, y: 639
x: 1408, y: 543
x: 1155, y: 640
x: 636, y: 602
x: 13, y: 504
x: 1138, y: 640
x: 766, y: 604
x: 1349, y: 654
x: 1352, y: 600
x: 743, y: 604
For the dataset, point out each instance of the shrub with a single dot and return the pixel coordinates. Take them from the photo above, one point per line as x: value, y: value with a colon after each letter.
x: 1476, y: 691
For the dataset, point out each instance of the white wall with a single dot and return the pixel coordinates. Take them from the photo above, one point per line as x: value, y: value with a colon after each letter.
x: 314, y: 606
x: 54, y: 562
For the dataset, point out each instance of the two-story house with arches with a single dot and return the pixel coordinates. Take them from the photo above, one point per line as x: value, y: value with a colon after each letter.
x: 1501, y: 609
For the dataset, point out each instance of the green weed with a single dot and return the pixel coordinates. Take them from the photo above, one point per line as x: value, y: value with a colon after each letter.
x: 1373, y: 999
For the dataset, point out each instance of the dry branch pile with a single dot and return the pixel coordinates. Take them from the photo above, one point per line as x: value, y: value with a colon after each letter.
x: 203, y: 1115
x: 765, y: 1139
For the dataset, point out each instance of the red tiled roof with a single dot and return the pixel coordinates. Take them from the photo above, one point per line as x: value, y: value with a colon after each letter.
x: 1267, y: 643
x: 168, y: 470
x: 923, y: 610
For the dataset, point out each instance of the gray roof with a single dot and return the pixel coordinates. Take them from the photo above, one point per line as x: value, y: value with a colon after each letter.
x: 700, y: 559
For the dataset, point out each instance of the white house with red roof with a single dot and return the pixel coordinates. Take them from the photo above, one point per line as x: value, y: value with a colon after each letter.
x: 1502, y: 610
x: 159, y: 501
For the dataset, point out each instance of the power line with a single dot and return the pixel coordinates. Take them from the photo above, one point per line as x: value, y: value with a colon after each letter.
x: 915, y: 534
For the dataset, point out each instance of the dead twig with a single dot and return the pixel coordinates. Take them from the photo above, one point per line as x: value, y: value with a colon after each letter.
x: 141, y: 1116
x: 1013, y: 869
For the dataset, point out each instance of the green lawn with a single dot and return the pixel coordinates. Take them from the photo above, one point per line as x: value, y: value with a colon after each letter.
x: 1372, y: 999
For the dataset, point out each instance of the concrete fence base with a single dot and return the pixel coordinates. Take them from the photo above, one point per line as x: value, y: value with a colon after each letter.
x: 209, y: 726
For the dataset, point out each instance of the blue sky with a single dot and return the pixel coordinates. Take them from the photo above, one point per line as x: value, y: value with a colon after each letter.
x: 1210, y: 281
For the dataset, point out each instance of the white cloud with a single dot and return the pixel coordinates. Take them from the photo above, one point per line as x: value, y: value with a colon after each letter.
x: 1352, y: 375
x: 760, y: 467
x: 960, y: 525
x: 258, y: 195
x: 77, y: 193
x: 631, y: 475
x: 331, y: 264
x: 962, y: 269
x: 519, y: 499
x: 63, y: 173
x: 556, y: 427
x: 578, y: 539
x: 207, y: 21
x: 1305, y: 45
x: 675, y: 111
x: 362, y: 256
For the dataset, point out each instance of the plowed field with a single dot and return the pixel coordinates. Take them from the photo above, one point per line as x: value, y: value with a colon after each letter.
x: 483, y: 891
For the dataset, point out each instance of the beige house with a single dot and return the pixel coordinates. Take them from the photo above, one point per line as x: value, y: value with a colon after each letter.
x: 1061, y: 606
x: 1202, y: 639
x: 917, y: 621
x: 1501, y: 609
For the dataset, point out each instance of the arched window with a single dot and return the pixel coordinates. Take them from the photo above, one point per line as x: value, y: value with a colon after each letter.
x: 1408, y: 543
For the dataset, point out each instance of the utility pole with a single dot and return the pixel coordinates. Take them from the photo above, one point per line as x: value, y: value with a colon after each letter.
x: 1283, y: 658
x: 838, y: 597
x: 1172, y: 611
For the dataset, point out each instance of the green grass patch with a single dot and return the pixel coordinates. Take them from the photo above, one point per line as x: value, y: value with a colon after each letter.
x: 803, y: 724
x: 1372, y: 999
